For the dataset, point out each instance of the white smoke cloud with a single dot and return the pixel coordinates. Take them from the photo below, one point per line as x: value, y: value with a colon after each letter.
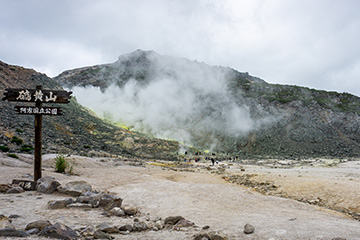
x: 183, y: 101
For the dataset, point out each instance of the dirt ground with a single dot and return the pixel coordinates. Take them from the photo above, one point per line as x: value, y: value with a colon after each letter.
x: 319, y: 200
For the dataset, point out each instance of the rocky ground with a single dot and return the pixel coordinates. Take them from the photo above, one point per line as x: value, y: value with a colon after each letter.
x: 278, y: 199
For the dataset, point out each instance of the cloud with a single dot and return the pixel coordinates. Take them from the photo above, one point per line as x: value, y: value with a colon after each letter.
x: 303, y: 42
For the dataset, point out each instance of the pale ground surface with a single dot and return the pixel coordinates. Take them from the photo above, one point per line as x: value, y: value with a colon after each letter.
x: 201, y: 197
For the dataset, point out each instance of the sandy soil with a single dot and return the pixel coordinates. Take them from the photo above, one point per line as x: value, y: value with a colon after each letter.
x: 201, y: 194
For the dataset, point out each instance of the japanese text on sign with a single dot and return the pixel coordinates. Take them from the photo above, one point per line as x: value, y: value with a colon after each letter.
x: 25, y: 95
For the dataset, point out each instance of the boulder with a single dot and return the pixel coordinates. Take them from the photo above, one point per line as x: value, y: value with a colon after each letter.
x: 60, y: 231
x: 75, y: 188
x: 39, y: 224
x: 47, y: 185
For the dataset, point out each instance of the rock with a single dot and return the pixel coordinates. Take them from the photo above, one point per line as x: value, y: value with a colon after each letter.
x: 202, y: 236
x: 79, y: 205
x: 60, y: 231
x: 125, y: 228
x: 206, y: 227
x: 40, y: 224
x: 116, y: 211
x: 115, y: 202
x: 5, y: 222
x: 75, y: 188
x: 88, y: 231
x: 91, y: 198
x: 248, y: 229
x: 217, y: 237
x: 47, y: 185
x: 11, y: 232
x: 108, y: 228
x: 4, y: 187
x: 140, y: 226
x: 184, y: 223
x: 33, y: 231
x: 101, y: 235
x: 159, y: 224
x: 338, y: 238
x: 15, y: 190
x: 14, y: 216
x: 105, y: 199
x: 172, y: 220
x: 60, y: 203
x: 130, y: 211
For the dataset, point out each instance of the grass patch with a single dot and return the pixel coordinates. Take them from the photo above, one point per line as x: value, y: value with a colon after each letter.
x: 16, y: 140
x: 60, y: 163
x: 13, y: 155
x: 4, y: 148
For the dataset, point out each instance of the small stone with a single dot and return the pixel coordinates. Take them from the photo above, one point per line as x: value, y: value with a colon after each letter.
x: 172, y: 220
x: 108, y: 228
x: 116, y: 211
x: 33, y: 231
x: 79, y: 205
x: 206, y: 227
x: 130, y: 211
x: 338, y: 238
x: 248, y: 229
x: 101, y: 235
x: 159, y: 224
x: 125, y: 228
x: 140, y: 226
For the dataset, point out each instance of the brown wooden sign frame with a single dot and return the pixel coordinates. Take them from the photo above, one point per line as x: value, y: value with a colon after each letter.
x: 38, y: 96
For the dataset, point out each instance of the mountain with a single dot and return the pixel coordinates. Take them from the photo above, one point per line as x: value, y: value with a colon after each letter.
x: 77, y: 131
x: 218, y: 108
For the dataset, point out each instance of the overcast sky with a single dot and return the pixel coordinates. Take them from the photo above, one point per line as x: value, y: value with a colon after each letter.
x: 312, y: 43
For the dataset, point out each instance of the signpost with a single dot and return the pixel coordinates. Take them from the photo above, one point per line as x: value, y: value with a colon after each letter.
x: 38, y: 96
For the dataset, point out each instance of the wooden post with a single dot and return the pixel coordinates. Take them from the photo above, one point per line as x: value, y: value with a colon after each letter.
x: 37, y: 153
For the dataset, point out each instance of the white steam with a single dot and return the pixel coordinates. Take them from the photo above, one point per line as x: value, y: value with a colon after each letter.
x: 191, y: 102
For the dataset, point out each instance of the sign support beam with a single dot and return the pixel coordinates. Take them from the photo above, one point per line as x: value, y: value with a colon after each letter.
x: 38, y: 145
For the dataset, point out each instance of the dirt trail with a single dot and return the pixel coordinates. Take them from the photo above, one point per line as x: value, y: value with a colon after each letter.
x: 202, y: 197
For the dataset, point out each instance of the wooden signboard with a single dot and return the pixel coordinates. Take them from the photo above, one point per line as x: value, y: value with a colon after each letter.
x: 38, y: 96
x: 52, y: 111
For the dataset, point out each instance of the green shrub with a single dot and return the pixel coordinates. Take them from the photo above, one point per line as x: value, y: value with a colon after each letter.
x: 13, y: 155
x: 19, y: 130
x: 26, y: 148
x: 4, y: 148
x: 60, y: 163
x: 16, y: 140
